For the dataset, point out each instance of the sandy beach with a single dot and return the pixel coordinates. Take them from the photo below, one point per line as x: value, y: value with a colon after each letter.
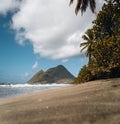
x: 96, y: 102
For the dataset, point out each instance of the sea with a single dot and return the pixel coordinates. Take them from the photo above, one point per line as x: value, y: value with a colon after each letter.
x: 11, y: 90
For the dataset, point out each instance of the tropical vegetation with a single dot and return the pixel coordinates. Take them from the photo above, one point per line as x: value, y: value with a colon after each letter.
x: 102, y: 45
x: 83, y: 4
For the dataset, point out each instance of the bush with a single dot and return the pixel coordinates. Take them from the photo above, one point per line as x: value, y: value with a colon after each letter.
x: 84, y: 75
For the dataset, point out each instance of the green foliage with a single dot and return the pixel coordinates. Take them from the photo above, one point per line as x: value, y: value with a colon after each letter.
x: 84, y: 75
x: 103, y: 45
x: 107, y: 52
x: 108, y: 20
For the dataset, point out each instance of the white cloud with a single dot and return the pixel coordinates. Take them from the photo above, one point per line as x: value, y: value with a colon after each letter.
x: 35, y: 65
x: 52, y: 27
x: 26, y: 74
x: 8, y: 5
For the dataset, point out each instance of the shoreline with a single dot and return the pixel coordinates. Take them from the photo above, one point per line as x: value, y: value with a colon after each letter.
x: 94, y: 102
x: 15, y: 90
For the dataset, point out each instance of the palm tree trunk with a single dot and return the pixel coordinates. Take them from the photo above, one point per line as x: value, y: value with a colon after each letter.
x: 89, y: 57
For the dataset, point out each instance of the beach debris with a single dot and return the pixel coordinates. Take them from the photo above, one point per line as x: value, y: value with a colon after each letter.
x: 47, y: 107
x: 39, y: 100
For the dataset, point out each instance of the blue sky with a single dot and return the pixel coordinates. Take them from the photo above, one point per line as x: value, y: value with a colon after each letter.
x: 33, y: 36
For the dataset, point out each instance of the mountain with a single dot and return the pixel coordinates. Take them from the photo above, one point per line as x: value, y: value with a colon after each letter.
x: 57, y: 74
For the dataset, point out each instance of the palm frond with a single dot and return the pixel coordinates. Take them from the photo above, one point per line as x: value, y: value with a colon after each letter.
x: 89, y: 35
x: 85, y: 37
x: 71, y: 1
x: 83, y: 48
x: 78, y: 6
x: 83, y: 44
x: 92, y: 5
x: 84, y: 6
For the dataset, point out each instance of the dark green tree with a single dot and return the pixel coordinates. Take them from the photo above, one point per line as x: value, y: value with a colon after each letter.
x: 84, y: 75
x: 108, y: 20
x: 105, y: 46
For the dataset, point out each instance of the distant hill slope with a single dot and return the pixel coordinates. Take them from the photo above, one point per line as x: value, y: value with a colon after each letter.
x: 57, y: 74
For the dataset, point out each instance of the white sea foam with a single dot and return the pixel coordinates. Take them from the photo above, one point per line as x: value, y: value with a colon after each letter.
x: 10, y: 90
x: 34, y: 85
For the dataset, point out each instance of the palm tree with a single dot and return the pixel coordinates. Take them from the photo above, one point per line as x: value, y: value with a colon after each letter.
x: 89, y: 37
x: 83, y: 4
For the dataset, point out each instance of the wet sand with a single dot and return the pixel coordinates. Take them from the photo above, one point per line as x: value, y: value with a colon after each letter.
x: 96, y: 102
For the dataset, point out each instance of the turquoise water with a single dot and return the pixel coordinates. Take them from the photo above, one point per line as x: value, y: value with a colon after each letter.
x: 11, y: 90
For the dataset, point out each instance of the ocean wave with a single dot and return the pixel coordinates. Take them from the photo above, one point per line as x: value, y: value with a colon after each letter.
x: 34, y: 85
x: 10, y: 90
